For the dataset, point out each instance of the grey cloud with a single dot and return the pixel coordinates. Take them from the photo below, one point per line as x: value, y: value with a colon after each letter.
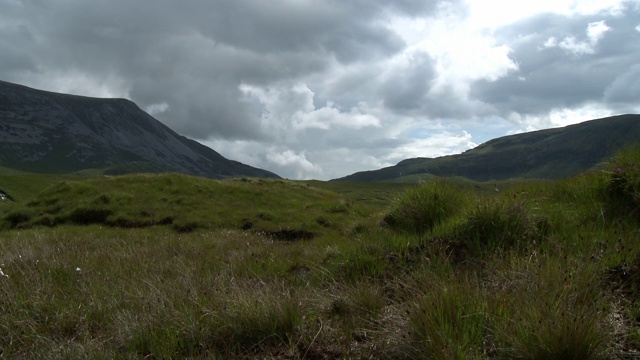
x: 365, y: 139
x: 550, y: 77
x: 406, y: 89
x: 194, y: 55
x: 357, y: 84
x: 449, y: 104
x: 262, y: 27
x: 625, y: 88
x: 380, y: 144
x: 405, y: 7
x: 317, y: 26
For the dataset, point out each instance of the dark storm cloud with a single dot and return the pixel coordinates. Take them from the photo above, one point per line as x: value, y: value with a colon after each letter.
x: 560, y: 66
x: 192, y: 56
x: 322, y: 27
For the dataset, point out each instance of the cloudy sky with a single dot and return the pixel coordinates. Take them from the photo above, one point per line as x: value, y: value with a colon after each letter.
x: 324, y: 88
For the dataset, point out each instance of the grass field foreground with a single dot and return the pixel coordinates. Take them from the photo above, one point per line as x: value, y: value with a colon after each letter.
x: 169, y: 266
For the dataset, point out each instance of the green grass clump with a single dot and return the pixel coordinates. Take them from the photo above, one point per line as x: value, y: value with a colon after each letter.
x: 553, y: 311
x: 421, y: 208
x: 500, y: 225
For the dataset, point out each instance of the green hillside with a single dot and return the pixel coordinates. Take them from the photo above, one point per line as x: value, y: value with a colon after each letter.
x: 21, y: 186
x: 278, y: 207
x: 545, y: 154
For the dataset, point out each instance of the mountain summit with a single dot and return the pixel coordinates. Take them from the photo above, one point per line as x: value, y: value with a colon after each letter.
x: 48, y: 132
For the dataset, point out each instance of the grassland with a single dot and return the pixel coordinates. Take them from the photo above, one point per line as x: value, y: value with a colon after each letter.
x: 171, y: 266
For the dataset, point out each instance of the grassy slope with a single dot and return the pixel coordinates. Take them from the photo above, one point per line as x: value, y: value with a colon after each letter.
x: 550, y: 154
x: 277, y: 207
x: 380, y: 194
x: 22, y: 186
x: 536, y: 270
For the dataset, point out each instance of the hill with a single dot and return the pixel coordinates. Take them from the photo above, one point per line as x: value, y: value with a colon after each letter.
x: 283, y: 209
x: 544, y: 154
x: 48, y: 132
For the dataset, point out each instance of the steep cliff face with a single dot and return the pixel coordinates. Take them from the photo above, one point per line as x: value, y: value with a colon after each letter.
x: 57, y: 133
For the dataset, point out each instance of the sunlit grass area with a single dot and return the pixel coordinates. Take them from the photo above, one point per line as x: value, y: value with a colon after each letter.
x: 170, y: 266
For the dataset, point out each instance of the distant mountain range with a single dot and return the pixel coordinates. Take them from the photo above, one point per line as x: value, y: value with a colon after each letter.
x: 48, y: 132
x: 546, y: 154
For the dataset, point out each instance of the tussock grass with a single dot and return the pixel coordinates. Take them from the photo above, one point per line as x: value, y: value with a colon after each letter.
x: 169, y: 266
x: 500, y: 226
x: 552, y: 311
x: 419, y: 209
x: 447, y: 319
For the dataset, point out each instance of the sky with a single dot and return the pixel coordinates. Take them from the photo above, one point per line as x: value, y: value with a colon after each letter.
x: 321, y: 89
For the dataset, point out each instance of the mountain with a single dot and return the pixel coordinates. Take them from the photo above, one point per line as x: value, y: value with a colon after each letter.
x: 545, y: 154
x: 48, y: 132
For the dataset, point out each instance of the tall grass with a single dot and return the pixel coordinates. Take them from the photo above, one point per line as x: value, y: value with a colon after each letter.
x: 553, y: 311
x: 145, y: 293
x: 448, y: 319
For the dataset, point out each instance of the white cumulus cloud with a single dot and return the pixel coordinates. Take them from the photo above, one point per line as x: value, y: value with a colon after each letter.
x: 289, y: 160
x: 158, y: 108
x: 595, y: 32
